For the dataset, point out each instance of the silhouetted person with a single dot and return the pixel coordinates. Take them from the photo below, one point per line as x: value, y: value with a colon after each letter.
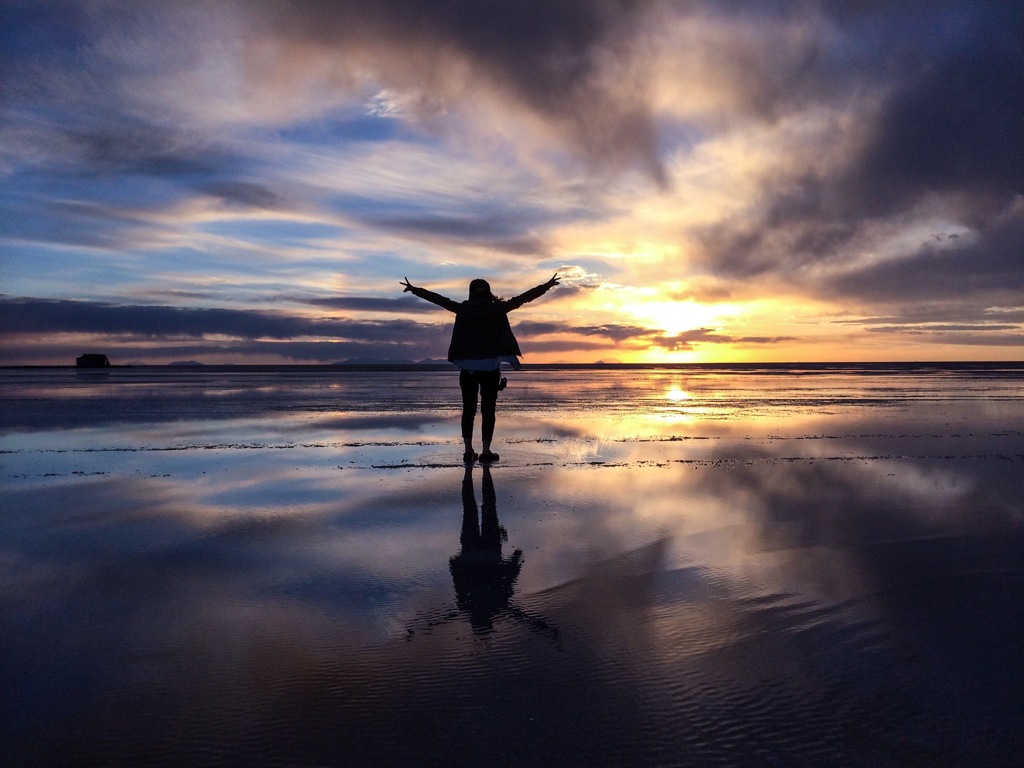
x: 482, y: 340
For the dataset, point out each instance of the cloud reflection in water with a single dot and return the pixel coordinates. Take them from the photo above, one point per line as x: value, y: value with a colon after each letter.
x: 802, y: 586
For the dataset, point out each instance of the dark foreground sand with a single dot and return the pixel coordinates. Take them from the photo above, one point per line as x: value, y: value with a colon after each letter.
x: 667, y: 568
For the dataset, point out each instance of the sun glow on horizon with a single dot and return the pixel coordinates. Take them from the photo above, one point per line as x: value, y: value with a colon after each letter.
x: 677, y: 317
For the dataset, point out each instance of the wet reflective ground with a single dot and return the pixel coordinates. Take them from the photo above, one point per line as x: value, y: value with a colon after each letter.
x: 700, y: 566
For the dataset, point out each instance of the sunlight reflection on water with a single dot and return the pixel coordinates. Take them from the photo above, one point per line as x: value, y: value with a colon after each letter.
x: 282, y: 567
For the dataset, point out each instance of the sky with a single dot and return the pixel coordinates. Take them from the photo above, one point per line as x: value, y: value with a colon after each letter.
x: 733, y: 181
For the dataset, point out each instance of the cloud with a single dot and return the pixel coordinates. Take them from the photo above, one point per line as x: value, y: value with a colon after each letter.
x: 22, y: 316
x: 372, y: 304
x: 500, y: 232
x: 245, y: 194
x: 950, y: 128
x: 154, y: 332
x: 990, y: 264
x: 689, y: 339
x: 568, y: 64
x: 626, y: 333
x: 615, y: 332
x: 962, y: 312
x: 570, y: 69
x: 135, y: 147
x: 932, y: 139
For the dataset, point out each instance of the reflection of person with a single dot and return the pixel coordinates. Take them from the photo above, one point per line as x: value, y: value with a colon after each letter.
x: 483, y: 578
x: 482, y: 340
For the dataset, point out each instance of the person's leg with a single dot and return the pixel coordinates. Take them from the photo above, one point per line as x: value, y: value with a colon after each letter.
x: 488, y: 400
x: 469, y: 385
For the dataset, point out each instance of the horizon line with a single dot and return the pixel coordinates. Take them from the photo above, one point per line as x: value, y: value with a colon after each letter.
x: 443, y: 365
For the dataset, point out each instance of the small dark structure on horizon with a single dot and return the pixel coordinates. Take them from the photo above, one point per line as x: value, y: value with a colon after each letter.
x: 92, y: 361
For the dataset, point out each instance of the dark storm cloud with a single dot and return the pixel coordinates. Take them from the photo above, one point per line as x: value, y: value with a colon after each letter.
x: 22, y: 315
x: 990, y: 264
x: 565, y: 61
x: 946, y: 133
x: 954, y: 128
x: 950, y: 129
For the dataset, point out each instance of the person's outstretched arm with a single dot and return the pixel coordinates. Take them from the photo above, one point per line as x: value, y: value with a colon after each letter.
x: 534, y: 293
x: 433, y: 298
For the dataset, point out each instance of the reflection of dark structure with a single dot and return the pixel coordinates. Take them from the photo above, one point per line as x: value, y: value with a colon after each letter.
x: 92, y: 361
x: 484, y: 579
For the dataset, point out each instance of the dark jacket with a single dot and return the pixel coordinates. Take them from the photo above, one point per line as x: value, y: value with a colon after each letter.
x: 481, y: 327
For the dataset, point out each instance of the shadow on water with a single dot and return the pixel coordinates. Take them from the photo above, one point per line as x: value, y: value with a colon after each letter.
x: 483, y: 578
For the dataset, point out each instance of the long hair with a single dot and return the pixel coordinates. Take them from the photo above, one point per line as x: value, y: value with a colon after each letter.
x: 481, y: 289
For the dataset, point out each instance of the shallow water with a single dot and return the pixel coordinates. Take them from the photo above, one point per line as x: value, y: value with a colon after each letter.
x: 749, y: 566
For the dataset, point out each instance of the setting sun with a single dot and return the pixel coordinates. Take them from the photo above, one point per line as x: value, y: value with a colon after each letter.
x: 675, y: 317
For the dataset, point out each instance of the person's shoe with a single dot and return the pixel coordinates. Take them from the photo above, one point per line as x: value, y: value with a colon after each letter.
x: 469, y: 456
x: 487, y: 457
x: 502, y: 384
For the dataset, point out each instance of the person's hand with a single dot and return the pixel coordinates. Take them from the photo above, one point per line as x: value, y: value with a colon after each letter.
x: 408, y: 286
x: 552, y: 282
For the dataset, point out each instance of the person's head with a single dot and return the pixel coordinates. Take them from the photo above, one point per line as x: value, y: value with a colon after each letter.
x: 480, y: 289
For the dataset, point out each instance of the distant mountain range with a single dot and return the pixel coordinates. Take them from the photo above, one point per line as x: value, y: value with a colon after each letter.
x: 378, y: 361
